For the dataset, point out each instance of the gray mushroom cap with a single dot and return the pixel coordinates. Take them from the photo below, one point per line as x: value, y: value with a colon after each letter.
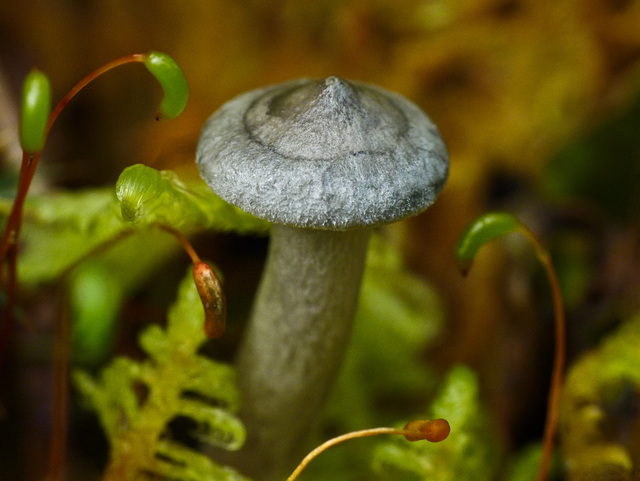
x: 324, y: 154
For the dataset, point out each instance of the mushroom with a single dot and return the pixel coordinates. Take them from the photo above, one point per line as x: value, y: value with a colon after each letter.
x: 324, y: 161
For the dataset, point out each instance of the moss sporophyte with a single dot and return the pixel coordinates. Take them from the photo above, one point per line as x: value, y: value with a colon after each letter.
x: 36, y: 121
x: 484, y: 229
x: 433, y: 430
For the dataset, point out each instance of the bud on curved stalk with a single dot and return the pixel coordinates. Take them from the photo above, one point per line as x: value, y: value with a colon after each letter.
x: 478, y: 233
x: 213, y: 299
x: 433, y: 430
x: 209, y: 288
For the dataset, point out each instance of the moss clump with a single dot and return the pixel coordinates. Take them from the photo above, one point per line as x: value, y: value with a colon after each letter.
x: 469, y: 453
x: 178, y: 383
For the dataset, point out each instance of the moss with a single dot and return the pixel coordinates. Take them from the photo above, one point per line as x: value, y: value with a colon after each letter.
x: 469, y: 453
x: 177, y: 382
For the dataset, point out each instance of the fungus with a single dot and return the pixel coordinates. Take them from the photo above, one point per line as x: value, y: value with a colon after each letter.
x: 325, y: 161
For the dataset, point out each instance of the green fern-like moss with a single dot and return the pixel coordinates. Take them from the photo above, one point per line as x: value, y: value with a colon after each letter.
x: 177, y: 382
x: 469, y: 453
x: 599, y: 414
x: 143, y: 198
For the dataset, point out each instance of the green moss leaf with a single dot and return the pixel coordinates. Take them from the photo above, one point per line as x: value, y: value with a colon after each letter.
x: 177, y: 462
x: 599, y: 412
x: 469, y: 453
x: 172, y: 375
x: 95, y: 296
x: 61, y: 229
x: 526, y: 465
x: 149, y: 197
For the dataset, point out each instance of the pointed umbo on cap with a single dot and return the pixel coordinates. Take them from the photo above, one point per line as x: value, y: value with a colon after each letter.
x: 325, y: 154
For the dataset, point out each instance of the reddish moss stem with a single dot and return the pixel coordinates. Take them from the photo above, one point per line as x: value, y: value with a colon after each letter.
x: 61, y: 359
x: 136, y: 57
x: 186, y: 245
x: 11, y: 235
x: 555, y: 390
x: 478, y: 233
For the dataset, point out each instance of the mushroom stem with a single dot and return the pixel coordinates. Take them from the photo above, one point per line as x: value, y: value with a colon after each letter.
x: 299, y: 330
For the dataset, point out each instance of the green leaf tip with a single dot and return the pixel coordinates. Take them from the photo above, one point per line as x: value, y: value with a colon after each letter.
x: 173, y: 82
x: 150, y: 198
x: 35, y: 110
x: 482, y: 230
x: 136, y: 186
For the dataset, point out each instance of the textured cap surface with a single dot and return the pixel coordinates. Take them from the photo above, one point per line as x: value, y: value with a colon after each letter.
x: 327, y: 154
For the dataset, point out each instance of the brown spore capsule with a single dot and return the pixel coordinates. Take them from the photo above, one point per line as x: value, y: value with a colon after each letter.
x: 435, y: 430
x: 213, y: 299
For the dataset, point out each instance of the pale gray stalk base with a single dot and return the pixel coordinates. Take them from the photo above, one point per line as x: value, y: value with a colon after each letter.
x: 299, y: 331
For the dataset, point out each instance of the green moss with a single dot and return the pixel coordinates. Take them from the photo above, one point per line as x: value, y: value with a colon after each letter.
x: 469, y: 453
x: 86, y: 221
x: 177, y: 382
x: 148, y: 197
x: 599, y: 417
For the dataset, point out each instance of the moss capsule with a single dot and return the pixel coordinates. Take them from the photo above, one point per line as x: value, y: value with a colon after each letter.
x: 435, y: 430
x: 35, y: 110
x: 173, y: 82
x: 213, y: 299
x: 484, y: 229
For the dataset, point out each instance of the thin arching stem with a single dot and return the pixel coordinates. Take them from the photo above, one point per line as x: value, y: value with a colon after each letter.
x: 30, y: 163
x: 431, y: 430
x: 136, y: 57
x: 341, y: 439
x: 484, y: 229
x: 555, y: 390
x: 11, y: 236
x: 186, y: 245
